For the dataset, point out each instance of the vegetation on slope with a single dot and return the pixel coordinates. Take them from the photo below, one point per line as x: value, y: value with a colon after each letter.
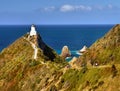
x: 105, y: 50
x: 20, y: 72
x: 99, y: 66
x: 92, y: 79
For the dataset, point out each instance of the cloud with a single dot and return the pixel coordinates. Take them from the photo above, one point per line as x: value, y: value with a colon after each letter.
x: 84, y: 8
x: 46, y: 9
x: 107, y: 7
x: 51, y: 8
x: 68, y: 8
x: 78, y: 8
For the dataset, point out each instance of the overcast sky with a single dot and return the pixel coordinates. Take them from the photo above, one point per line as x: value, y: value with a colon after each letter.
x: 59, y: 11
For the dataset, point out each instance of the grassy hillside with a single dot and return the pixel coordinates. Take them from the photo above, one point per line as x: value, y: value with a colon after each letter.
x: 19, y: 71
x: 103, y: 77
x: 92, y: 79
x: 105, y: 50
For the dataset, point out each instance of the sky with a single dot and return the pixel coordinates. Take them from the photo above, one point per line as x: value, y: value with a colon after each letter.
x: 55, y: 12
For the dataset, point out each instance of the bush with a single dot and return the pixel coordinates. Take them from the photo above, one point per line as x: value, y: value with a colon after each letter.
x: 114, y: 71
x: 34, y: 63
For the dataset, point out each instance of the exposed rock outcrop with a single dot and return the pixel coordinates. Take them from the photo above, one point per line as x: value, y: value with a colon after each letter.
x: 73, y: 62
x: 65, y: 52
x: 83, y: 49
x: 47, y: 51
x: 37, y: 41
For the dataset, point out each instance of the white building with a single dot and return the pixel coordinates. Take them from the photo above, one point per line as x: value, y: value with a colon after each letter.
x: 33, y: 31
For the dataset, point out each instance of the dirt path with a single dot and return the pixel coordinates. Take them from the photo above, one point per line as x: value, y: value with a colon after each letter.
x: 35, y: 50
x: 102, y: 66
x: 34, y: 47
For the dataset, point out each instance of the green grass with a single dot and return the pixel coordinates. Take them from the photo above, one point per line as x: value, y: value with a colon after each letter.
x: 88, y: 78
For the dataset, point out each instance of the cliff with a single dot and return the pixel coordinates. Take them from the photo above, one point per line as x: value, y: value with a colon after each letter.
x: 99, y: 67
x: 105, y: 50
x: 30, y: 65
x: 20, y: 70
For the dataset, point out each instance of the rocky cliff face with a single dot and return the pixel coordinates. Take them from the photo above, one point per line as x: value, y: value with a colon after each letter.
x: 47, y: 51
x: 19, y: 71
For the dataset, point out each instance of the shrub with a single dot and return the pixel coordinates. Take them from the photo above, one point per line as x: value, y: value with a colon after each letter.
x: 34, y: 63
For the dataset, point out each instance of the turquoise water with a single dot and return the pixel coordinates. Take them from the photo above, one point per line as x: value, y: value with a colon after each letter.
x: 57, y: 36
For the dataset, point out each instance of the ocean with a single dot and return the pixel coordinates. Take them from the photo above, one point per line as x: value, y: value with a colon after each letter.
x: 56, y: 36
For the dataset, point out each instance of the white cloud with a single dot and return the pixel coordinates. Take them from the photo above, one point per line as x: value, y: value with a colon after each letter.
x: 84, y: 8
x: 77, y: 8
x: 68, y: 8
x: 107, y: 7
x: 49, y: 9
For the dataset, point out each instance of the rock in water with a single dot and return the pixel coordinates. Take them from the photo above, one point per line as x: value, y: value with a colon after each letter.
x: 65, y: 52
x: 83, y: 49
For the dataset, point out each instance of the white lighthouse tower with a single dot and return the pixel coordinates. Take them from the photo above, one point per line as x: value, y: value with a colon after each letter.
x: 33, y: 31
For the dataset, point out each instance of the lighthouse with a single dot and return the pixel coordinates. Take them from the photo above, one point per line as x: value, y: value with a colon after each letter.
x: 33, y: 31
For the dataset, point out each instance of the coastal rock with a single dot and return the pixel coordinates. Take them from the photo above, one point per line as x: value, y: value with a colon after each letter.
x: 83, y: 49
x: 73, y: 63
x: 73, y: 60
x: 65, y: 52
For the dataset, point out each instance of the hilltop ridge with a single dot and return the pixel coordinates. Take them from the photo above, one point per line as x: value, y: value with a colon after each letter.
x: 105, y: 50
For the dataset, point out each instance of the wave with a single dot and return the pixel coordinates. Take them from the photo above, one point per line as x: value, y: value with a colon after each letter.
x: 78, y: 53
